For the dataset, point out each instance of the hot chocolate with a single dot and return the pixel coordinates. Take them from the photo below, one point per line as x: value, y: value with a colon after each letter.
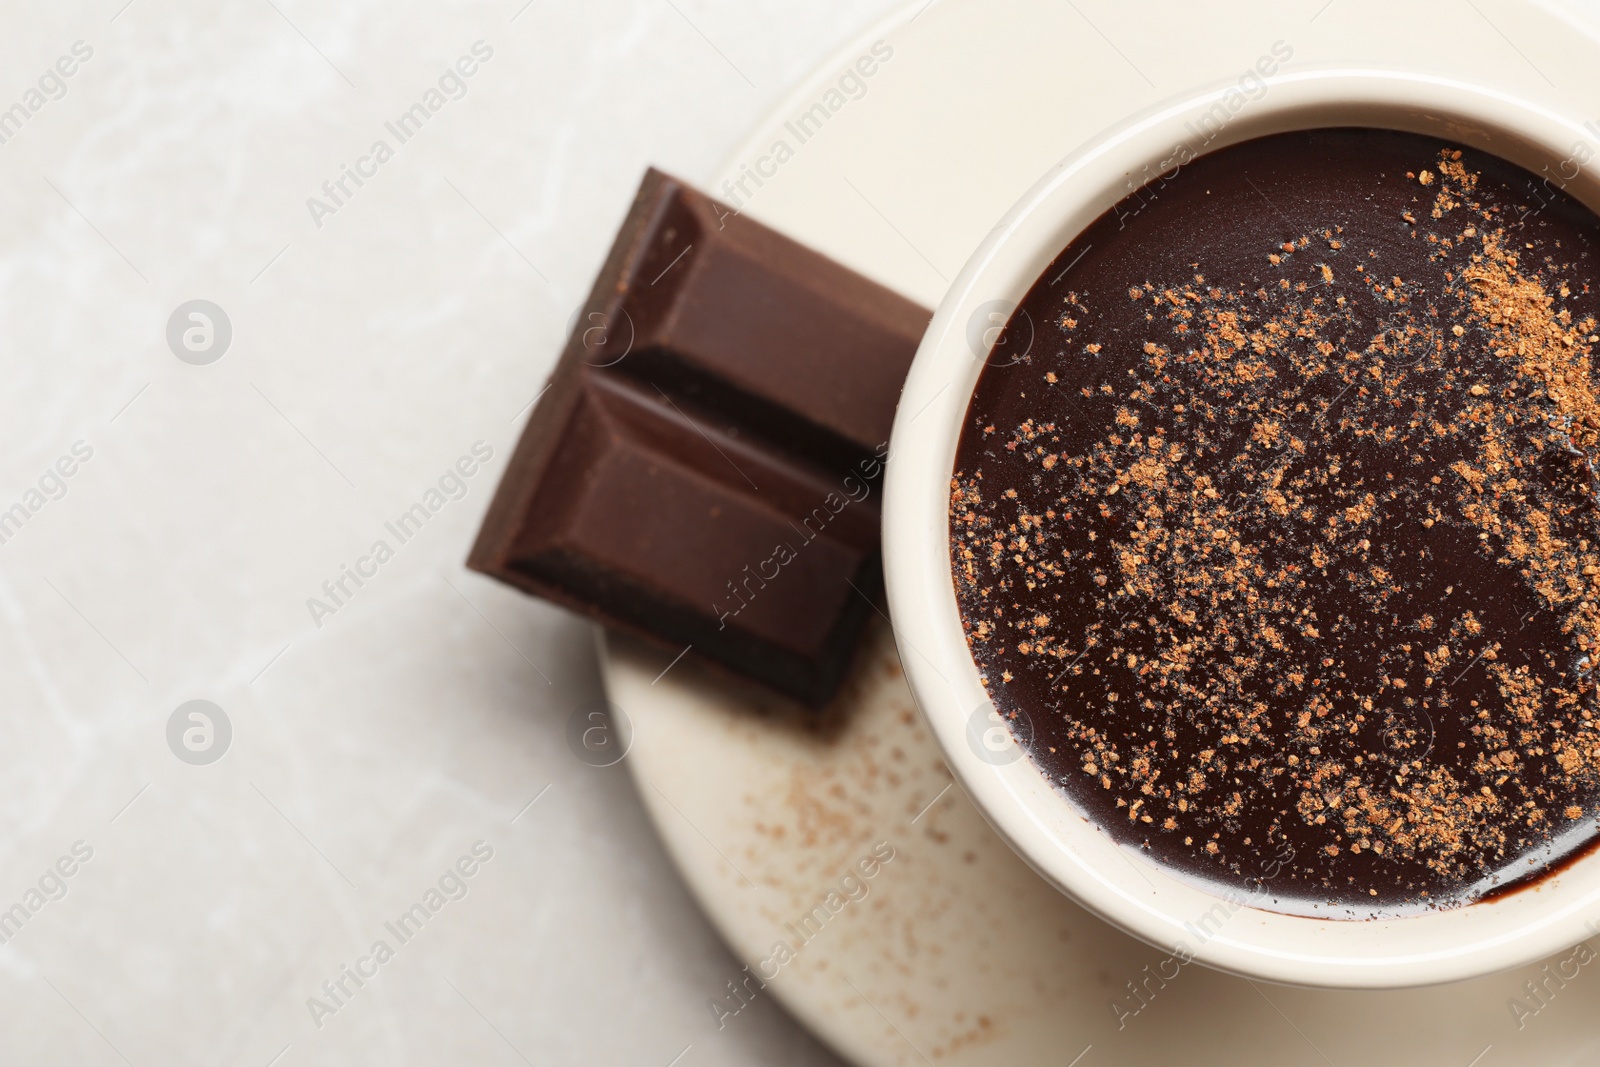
x: 1275, y: 515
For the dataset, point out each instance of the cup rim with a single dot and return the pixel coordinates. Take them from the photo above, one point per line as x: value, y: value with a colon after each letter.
x: 1041, y: 825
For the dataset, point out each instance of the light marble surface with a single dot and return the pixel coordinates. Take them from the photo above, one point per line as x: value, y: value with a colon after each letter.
x: 370, y: 752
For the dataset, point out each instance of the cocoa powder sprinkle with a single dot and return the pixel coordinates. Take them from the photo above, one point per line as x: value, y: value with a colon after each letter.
x: 1319, y: 575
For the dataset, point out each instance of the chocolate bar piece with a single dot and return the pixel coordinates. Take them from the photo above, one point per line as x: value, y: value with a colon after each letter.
x: 704, y: 468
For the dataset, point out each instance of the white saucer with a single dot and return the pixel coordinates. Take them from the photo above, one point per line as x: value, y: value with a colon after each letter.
x: 957, y: 953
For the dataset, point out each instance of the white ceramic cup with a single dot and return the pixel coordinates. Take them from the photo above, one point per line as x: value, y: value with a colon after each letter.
x: 1070, y: 851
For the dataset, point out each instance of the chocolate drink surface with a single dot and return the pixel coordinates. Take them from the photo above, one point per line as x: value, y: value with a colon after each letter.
x: 1274, y: 517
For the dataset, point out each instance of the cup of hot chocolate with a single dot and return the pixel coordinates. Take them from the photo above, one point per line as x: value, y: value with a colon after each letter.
x: 1242, y: 530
